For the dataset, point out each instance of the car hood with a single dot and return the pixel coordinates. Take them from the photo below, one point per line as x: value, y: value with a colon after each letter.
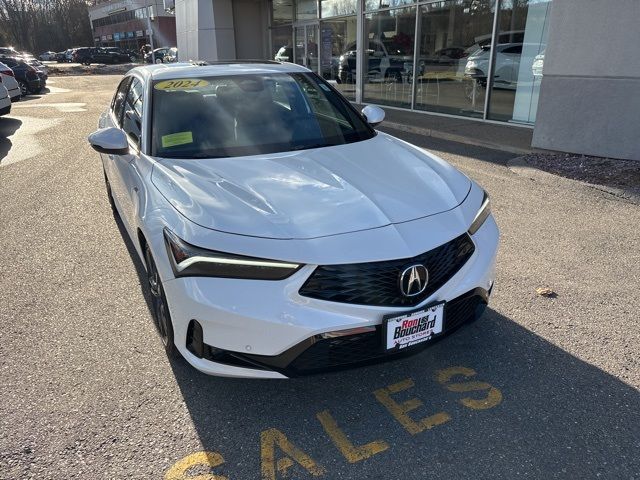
x: 312, y: 193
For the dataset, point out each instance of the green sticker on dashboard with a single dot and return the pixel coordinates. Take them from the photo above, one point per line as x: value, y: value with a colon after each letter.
x: 175, y: 139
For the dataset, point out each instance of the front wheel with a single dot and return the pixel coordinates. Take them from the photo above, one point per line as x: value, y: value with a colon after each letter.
x: 158, y: 60
x: 24, y: 88
x: 160, y: 308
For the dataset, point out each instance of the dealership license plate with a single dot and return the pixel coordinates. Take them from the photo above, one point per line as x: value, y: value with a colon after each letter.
x: 410, y: 329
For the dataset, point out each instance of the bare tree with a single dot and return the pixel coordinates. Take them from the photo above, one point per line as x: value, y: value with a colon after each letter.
x: 38, y: 25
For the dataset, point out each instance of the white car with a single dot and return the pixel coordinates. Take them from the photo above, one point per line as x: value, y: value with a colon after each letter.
x: 5, y: 101
x: 282, y: 235
x: 507, y: 65
x: 7, y: 78
x: 47, y: 56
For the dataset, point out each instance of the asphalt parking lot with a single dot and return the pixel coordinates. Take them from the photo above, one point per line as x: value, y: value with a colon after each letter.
x: 538, y: 388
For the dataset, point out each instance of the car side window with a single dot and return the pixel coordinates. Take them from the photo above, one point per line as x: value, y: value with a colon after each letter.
x: 117, y: 105
x: 132, y: 120
x: 517, y: 49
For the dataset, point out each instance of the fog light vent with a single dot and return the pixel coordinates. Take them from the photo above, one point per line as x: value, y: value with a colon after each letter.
x: 195, y: 342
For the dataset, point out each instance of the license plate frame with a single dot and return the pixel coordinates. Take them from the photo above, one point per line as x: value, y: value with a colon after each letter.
x: 434, y: 312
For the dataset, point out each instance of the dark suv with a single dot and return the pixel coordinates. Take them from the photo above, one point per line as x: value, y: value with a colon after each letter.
x: 89, y: 55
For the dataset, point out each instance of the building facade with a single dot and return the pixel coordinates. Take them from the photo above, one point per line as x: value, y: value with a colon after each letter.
x: 124, y: 24
x: 534, y: 63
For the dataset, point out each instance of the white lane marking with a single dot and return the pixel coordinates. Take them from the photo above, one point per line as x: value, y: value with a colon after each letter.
x: 62, y: 107
x: 25, y: 142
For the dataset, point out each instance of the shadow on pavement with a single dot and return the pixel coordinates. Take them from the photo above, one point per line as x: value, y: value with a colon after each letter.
x: 556, y: 416
x: 29, y: 97
x: 559, y: 416
x: 8, y: 126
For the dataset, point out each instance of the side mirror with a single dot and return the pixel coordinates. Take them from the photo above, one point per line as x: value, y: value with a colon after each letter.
x: 111, y: 141
x: 373, y: 114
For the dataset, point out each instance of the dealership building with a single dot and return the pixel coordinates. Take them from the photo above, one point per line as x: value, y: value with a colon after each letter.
x: 124, y: 24
x: 561, y: 67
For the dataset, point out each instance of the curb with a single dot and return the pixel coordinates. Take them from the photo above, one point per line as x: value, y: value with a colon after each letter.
x: 521, y: 167
x: 427, y: 132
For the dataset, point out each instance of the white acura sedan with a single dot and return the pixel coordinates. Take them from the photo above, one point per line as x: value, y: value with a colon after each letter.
x: 282, y: 235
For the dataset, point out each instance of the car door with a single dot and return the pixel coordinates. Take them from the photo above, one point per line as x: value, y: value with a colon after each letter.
x: 113, y: 118
x: 126, y: 168
x: 116, y: 166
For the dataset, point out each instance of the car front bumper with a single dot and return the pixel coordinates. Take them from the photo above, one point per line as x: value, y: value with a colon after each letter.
x: 268, y: 325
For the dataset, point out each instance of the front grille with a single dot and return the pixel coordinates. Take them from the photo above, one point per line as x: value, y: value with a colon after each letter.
x: 377, y: 283
x: 367, y: 347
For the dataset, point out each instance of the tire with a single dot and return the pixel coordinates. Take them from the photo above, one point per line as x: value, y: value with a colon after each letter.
x: 160, y: 307
x: 24, y: 88
x: 158, y: 60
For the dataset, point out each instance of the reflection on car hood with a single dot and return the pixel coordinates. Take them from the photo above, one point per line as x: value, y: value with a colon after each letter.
x: 312, y: 193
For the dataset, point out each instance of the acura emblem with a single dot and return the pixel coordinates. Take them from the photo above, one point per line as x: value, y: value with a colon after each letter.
x: 413, y: 280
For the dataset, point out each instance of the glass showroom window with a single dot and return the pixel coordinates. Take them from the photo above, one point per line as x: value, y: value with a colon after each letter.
x: 281, y: 43
x: 306, y: 9
x: 282, y: 31
x: 388, y: 57
x: 338, y: 53
x: 377, y: 4
x: 452, y: 32
x: 335, y: 8
x: 518, y: 59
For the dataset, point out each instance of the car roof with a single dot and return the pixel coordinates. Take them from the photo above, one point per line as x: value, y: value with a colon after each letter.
x: 164, y: 71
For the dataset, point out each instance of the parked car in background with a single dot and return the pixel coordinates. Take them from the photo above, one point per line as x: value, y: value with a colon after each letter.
x: 68, y: 54
x: 89, y: 55
x: 5, y: 101
x: 37, y: 64
x: 47, y: 56
x: 124, y: 56
x: 381, y: 62
x: 7, y: 77
x: 507, y: 65
x: 60, y: 57
x: 82, y: 55
x: 9, y: 51
x: 26, y: 75
x: 159, y: 54
x: 171, y: 56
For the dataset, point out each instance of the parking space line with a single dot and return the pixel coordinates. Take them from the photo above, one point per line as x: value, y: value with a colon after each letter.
x: 400, y: 410
x: 351, y: 452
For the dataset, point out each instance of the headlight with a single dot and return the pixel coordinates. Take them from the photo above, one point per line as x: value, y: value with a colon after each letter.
x: 191, y: 261
x: 481, y: 216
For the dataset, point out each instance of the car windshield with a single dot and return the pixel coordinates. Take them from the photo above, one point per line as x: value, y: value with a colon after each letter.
x: 228, y: 116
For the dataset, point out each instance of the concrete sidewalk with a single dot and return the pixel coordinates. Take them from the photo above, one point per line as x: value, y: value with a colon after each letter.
x: 507, y: 138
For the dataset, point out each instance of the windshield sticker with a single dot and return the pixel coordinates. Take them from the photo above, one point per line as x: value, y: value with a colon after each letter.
x: 181, y: 84
x: 175, y: 139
